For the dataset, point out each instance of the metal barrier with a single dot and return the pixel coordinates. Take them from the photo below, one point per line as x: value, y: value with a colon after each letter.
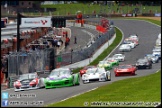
x: 35, y: 61
x: 83, y: 53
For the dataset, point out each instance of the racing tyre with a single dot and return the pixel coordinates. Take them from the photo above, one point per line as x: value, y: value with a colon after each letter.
x: 150, y: 67
x: 83, y: 82
x: 78, y: 82
x: 107, y: 77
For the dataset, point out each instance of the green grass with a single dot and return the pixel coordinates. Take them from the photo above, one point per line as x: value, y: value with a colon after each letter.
x: 146, y: 89
x: 151, y: 20
x: 63, y: 9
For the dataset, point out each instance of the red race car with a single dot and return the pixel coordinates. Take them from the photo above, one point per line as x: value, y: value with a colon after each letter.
x: 82, y: 71
x: 125, y: 69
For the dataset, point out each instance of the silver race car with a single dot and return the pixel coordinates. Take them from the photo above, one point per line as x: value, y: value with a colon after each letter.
x: 125, y: 47
x: 96, y: 74
x: 119, y: 57
x: 28, y: 81
x: 152, y: 58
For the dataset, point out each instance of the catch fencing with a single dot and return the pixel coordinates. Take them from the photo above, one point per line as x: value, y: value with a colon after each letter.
x: 28, y: 62
x: 83, y: 53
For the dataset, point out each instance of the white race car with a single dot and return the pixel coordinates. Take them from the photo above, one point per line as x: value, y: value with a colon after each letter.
x: 157, y: 53
x: 96, y: 74
x: 157, y: 48
x: 158, y: 42
x: 134, y: 36
x: 159, y: 36
x: 119, y: 57
x: 132, y: 44
x: 125, y: 47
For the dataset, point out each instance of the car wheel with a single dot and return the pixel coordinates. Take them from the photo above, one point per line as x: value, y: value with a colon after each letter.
x: 108, y: 79
x: 83, y: 82
x: 157, y: 61
x: 150, y: 67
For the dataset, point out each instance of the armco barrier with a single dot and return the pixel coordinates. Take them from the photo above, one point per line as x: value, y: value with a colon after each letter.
x: 90, y: 26
x: 93, y: 57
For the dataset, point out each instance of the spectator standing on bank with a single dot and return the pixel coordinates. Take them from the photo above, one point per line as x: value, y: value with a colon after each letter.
x: 75, y: 40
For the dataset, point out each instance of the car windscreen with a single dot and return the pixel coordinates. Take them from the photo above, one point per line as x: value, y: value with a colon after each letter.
x: 90, y: 71
x: 59, y: 72
x: 124, y: 66
x: 27, y: 76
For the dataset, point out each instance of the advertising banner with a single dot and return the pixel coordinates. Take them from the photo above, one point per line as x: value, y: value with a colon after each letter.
x: 157, y: 14
x: 36, y: 22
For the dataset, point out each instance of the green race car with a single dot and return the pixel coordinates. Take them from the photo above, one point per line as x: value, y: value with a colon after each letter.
x: 61, y: 77
x: 113, y: 61
x: 105, y: 64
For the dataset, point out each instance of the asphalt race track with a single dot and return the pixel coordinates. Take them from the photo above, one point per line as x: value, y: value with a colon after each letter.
x: 147, y: 33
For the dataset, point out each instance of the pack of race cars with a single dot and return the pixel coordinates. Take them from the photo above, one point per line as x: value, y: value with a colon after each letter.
x: 62, y: 77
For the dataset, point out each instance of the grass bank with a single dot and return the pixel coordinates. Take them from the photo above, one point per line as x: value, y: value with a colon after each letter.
x: 64, y: 9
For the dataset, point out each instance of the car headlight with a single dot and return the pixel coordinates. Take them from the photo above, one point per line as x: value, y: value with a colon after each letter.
x: 102, y: 75
x: 34, y: 80
x: 85, y: 76
x: 16, y: 82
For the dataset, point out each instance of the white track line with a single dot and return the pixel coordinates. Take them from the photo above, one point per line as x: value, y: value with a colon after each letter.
x: 78, y: 94
x: 157, y: 71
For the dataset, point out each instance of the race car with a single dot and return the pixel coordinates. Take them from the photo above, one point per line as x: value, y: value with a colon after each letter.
x: 61, y: 77
x: 143, y: 63
x: 113, y: 61
x: 105, y: 64
x: 152, y: 58
x: 125, y: 69
x: 131, y: 40
x: 124, y: 47
x: 157, y: 48
x: 134, y: 37
x: 158, y: 42
x: 119, y: 57
x: 132, y: 44
x: 159, y: 36
x: 28, y: 81
x: 157, y: 53
x: 82, y: 71
x: 96, y: 74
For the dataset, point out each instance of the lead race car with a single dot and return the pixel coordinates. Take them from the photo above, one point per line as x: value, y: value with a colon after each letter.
x: 61, y: 77
x: 96, y: 74
x: 28, y: 81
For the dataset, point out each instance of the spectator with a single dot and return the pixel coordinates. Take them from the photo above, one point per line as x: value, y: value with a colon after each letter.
x: 5, y: 69
x: 75, y: 40
x: 61, y: 41
x: 67, y: 41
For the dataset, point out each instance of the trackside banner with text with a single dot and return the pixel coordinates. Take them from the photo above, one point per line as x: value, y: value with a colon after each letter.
x: 36, y: 22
